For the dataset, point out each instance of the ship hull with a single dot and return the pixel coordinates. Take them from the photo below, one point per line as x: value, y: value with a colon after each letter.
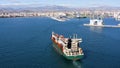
x: 78, y: 57
x: 59, y: 49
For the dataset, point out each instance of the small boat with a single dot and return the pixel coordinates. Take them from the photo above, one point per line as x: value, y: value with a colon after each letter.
x: 68, y: 47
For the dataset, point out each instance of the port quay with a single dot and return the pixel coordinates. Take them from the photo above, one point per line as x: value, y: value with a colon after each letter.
x: 69, y: 14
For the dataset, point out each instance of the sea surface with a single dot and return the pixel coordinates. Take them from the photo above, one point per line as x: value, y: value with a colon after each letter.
x: 26, y: 43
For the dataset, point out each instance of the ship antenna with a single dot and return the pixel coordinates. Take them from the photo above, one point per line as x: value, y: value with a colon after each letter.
x: 76, y: 36
x: 52, y: 32
x: 70, y: 36
x: 73, y: 36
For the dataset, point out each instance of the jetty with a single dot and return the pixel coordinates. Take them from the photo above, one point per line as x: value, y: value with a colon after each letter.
x: 103, y: 25
x: 61, y: 19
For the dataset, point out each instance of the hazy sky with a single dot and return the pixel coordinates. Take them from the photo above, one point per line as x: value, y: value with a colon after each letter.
x: 71, y: 3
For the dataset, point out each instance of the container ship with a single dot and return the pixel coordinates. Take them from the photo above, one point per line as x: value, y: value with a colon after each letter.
x: 68, y: 47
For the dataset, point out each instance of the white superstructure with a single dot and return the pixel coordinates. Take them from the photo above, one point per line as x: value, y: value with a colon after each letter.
x: 98, y: 22
x: 95, y: 22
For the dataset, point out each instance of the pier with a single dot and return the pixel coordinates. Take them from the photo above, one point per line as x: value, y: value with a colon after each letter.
x: 114, y: 26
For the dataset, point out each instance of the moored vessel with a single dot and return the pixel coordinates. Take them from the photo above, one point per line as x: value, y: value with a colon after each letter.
x: 68, y: 47
x: 98, y: 22
x: 95, y: 22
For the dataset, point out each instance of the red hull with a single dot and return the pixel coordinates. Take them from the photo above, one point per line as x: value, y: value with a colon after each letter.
x: 59, y: 45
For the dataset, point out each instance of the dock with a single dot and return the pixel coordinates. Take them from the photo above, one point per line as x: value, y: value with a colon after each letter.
x: 114, y: 26
x: 59, y: 19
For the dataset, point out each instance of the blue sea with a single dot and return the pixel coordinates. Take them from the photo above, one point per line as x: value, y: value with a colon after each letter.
x: 25, y: 43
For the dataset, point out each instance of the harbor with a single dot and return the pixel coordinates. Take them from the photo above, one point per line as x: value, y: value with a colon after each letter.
x: 27, y: 42
x: 60, y: 34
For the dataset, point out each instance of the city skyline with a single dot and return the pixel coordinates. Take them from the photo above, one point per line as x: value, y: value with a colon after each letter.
x: 69, y: 3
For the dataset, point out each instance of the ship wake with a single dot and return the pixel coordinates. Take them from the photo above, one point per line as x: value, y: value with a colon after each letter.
x: 77, y: 64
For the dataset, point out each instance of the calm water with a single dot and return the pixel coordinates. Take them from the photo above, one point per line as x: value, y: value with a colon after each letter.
x: 26, y: 43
